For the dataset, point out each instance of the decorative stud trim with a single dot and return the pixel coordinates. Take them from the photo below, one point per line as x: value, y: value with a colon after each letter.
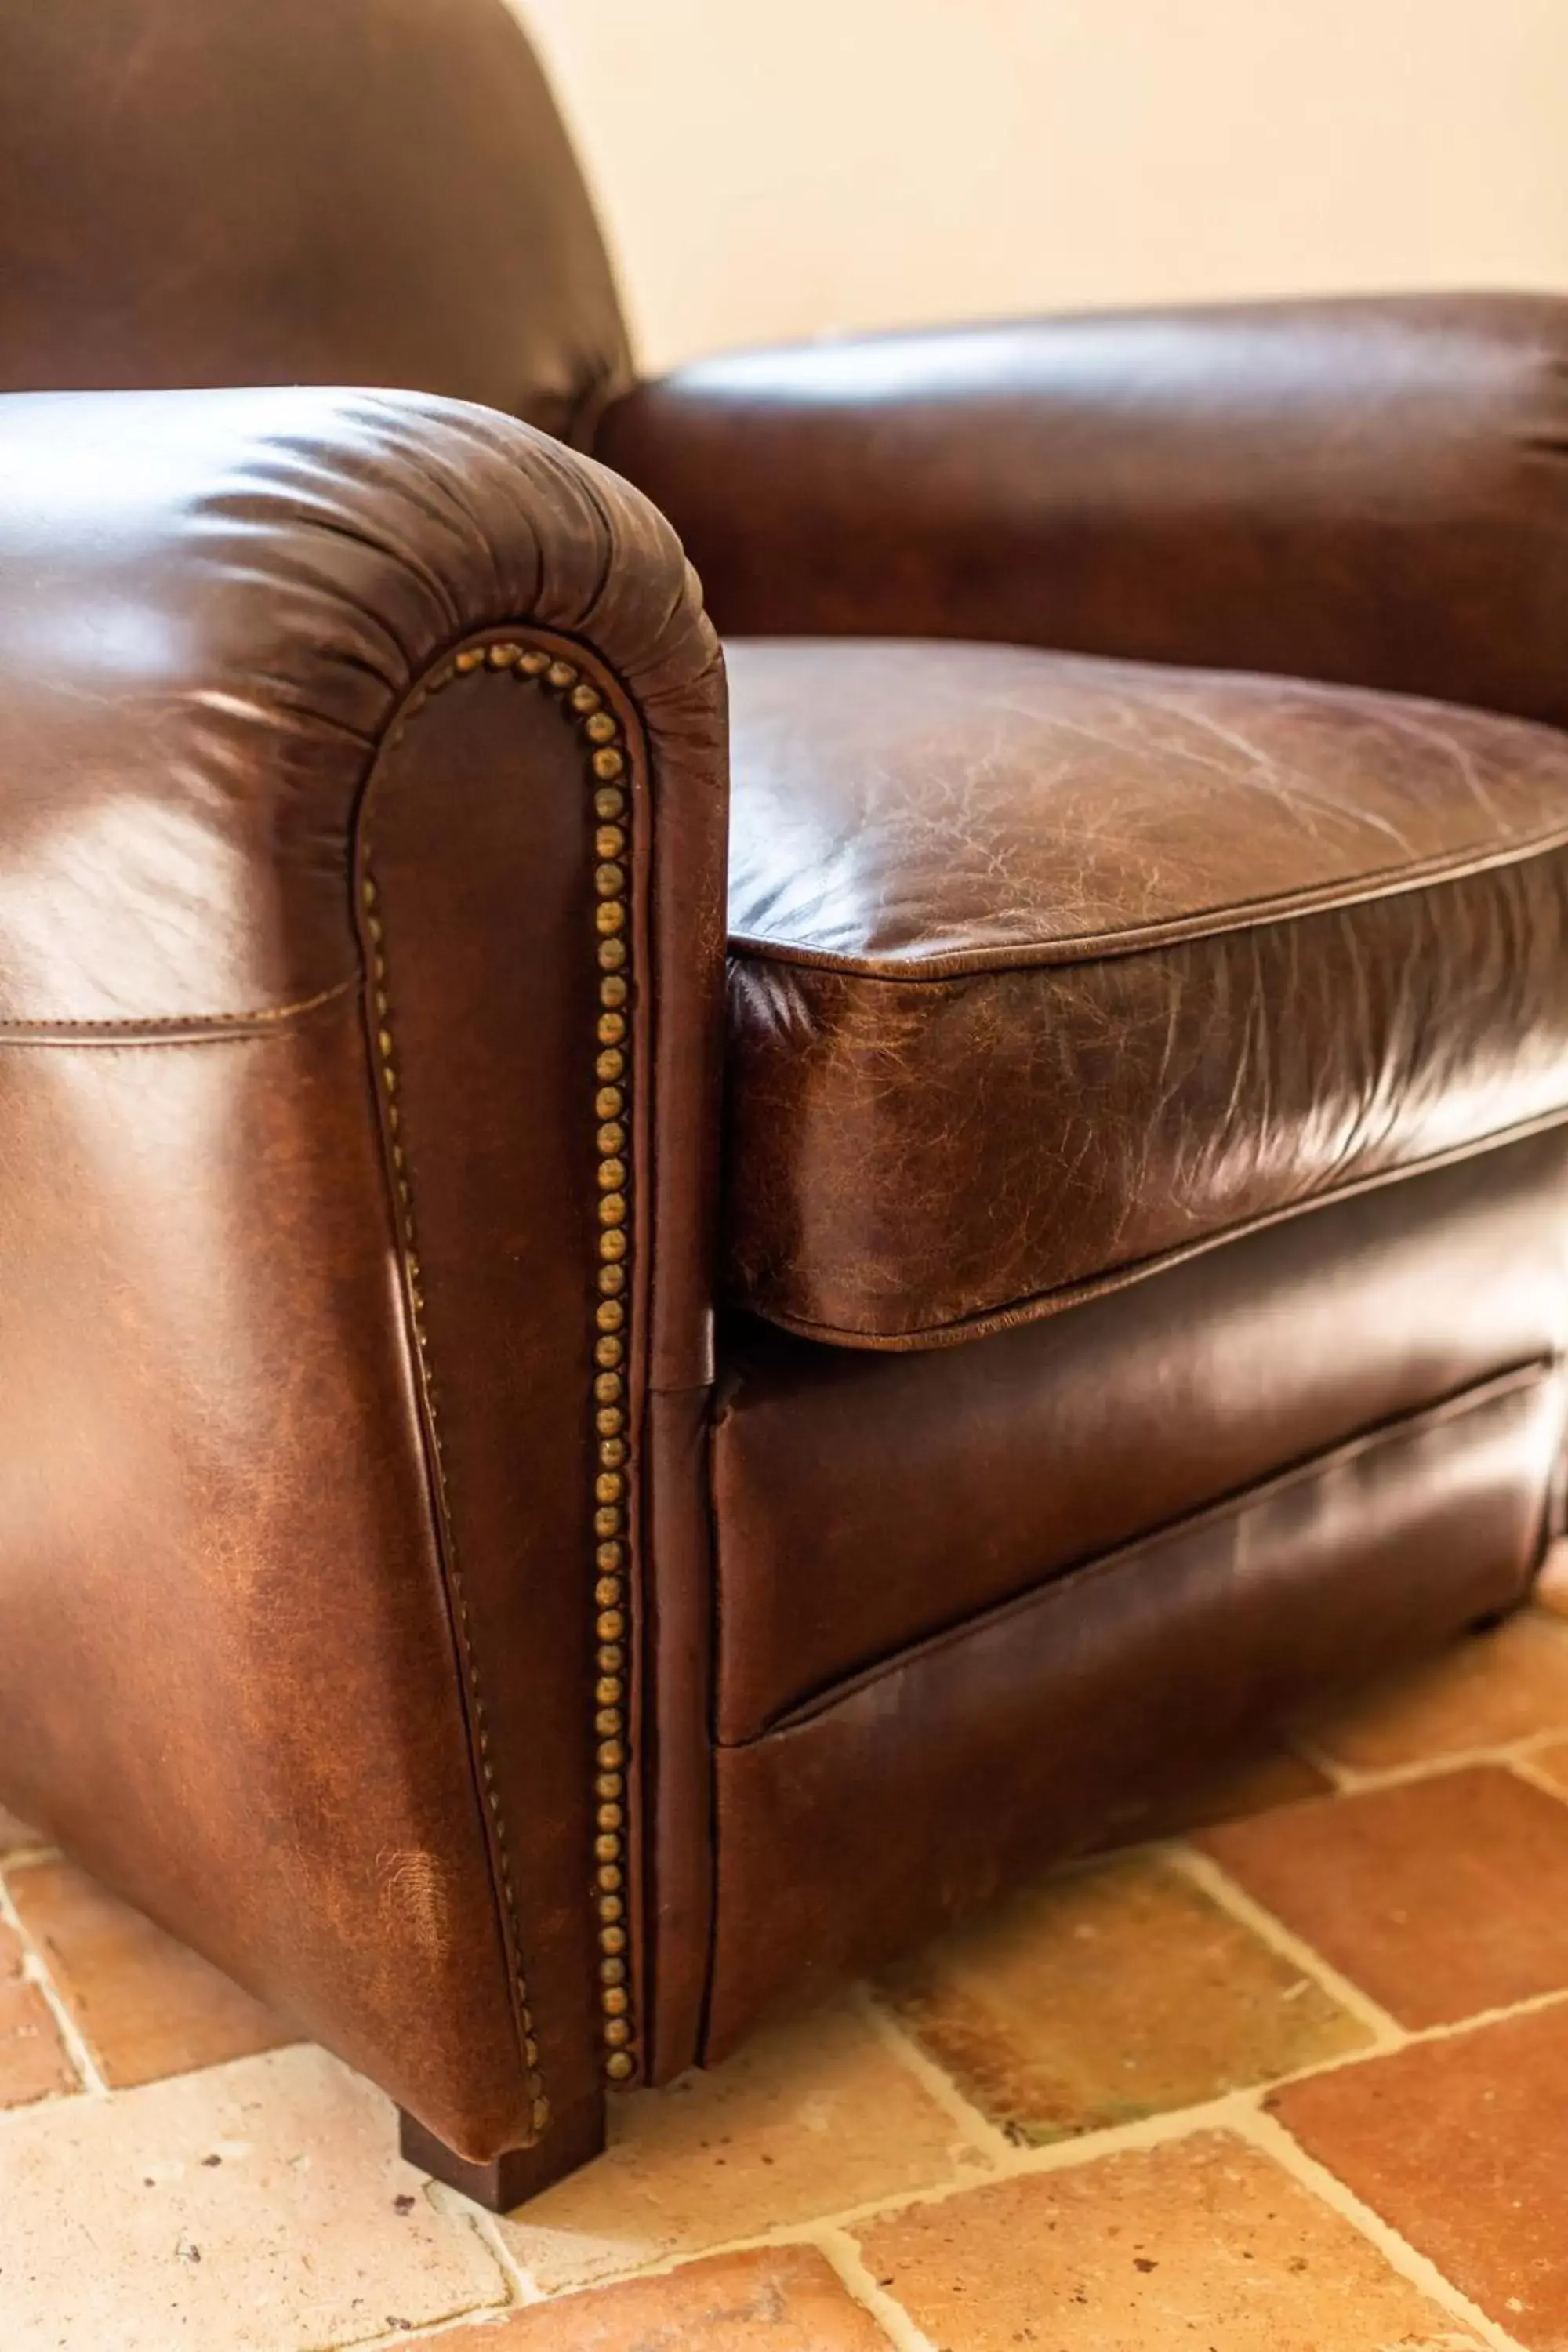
x: 606, y: 765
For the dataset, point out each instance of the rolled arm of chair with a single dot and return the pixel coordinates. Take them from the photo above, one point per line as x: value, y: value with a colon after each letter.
x: 1369, y: 491
x: 362, y: 838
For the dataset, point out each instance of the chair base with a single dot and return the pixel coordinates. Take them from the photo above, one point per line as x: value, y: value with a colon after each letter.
x: 517, y: 2174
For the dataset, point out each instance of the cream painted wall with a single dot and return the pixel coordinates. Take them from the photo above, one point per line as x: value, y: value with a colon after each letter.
x: 778, y: 167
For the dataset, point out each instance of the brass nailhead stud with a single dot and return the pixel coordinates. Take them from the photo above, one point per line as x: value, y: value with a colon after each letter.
x: 584, y: 698
x: 617, y: 2031
x: 609, y: 802
x: 601, y: 728
x: 614, y: 1939
x: 503, y: 656
x: 468, y: 659
x: 609, y: 880
x: 560, y: 674
x: 613, y: 992
x: 533, y: 663
x: 609, y: 841
x: 609, y: 764
x: 619, y: 2067
x: 611, y: 1909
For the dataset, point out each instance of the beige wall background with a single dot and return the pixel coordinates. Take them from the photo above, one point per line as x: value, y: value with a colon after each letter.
x: 771, y: 168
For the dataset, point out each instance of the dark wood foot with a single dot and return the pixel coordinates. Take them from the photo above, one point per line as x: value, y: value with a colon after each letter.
x: 518, y: 2173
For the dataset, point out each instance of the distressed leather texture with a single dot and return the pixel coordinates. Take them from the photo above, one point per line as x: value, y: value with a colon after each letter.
x: 1046, y: 970
x: 372, y: 192
x: 1204, y: 1022
x: 327, y: 1716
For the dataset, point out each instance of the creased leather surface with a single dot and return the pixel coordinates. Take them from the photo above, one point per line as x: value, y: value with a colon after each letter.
x: 864, y: 1501
x: 228, y: 1679
x: 1374, y: 491
x: 218, y: 191
x: 1044, y: 968
x: 1074, y: 1712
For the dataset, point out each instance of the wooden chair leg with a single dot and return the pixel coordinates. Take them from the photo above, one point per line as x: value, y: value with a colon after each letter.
x: 518, y: 2173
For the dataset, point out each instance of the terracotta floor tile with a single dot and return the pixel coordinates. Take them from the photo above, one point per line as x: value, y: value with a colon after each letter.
x: 1119, y: 1992
x: 1203, y: 2245
x: 1459, y: 2143
x: 260, y: 2207
x: 1483, y: 1692
x: 800, y: 2124
x: 780, y: 2299
x: 1552, y: 1763
x: 1439, y: 1897
x: 33, y: 2059
x: 144, y: 2005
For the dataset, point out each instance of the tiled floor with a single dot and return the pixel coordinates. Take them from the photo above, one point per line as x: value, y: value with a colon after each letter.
x: 1295, y: 2080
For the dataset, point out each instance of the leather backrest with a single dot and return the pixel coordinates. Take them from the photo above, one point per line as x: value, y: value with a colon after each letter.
x: 230, y: 192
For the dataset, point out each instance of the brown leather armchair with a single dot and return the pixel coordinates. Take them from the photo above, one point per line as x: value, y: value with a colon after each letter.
x: 543, y: 1516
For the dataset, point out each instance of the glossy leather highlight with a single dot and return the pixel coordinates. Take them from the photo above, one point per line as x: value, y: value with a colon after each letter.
x: 1372, y: 491
x: 292, y: 1649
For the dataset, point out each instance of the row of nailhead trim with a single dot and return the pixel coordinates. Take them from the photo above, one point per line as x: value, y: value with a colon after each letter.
x: 612, y: 1480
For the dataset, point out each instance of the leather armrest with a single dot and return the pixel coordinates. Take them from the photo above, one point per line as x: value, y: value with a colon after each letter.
x: 362, y: 841
x: 1370, y: 491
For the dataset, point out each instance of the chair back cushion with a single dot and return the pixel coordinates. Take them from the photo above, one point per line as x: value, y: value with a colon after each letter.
x: 220, y: 192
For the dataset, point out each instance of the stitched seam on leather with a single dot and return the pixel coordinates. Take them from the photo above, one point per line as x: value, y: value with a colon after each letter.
x: 1041, y: 1304
x: 180, y: 1026
x: 1517, y: 1379
x: 1111, y: 947
x: 606, y: 768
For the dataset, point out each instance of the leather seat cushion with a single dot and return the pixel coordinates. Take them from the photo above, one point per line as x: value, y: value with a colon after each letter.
x: 1046, y: 970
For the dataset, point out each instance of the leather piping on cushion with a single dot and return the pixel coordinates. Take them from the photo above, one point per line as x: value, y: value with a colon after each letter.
x: 1061, y: 968
x: 864, y: 1500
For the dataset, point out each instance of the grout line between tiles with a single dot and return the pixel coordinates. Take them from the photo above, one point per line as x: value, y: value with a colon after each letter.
x: 987, y: 2137
x: 37, y: 1971
x: 1265, y: 2133
x: 1201, y: 1870
x: 1352, y: 1779
x: 1527, y: 1769
x: 843, y: 2251
x: 522, y: 2289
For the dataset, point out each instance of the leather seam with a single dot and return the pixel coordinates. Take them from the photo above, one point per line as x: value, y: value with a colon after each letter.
x: 607, y: 766
x: 174, y: 1028
x: 1039, y: 1306
x: 1514, y: 1379
x: 1112, y: 947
